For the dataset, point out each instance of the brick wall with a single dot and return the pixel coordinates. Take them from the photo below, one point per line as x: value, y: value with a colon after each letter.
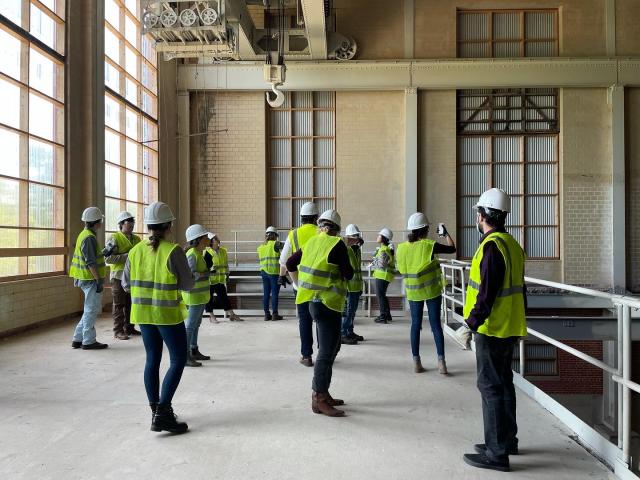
x: 574, y: 375
x: 586, y: 187
x: 228, y: 167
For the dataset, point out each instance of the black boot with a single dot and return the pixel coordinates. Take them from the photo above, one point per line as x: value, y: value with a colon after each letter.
x: 153, y: 407
x: 277, y: 316
x: 165, y: 420
x: 196, y: 355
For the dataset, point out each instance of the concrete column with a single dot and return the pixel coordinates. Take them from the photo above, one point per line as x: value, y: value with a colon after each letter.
x: 84, y: 109
x: 411, y: 150
x: 168, y: 135
x: 610, y: 26
x: 618, y: 213
x: 409, y: 28
x: 184, y: 160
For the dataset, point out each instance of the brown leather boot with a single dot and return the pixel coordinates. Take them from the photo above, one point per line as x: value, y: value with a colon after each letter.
x: 442, y: 367
x: 417, y: 365
x: 334, y: 402
x: 320, y: 404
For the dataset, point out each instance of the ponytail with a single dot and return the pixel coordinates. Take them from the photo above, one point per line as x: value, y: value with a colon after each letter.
x: 157, y: 234
x: 419, y: 234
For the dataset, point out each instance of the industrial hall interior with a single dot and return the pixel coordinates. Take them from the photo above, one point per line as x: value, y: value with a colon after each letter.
x: 210, y: 207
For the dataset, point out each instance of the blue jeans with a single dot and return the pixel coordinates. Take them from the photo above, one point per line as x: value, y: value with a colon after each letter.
x: 175, y: 337
x: 305, y: 322
x: 433, y: 307
x: 86, y: 329
x: 270, y: 288
x: 193, y: 324
x: 350, y: 308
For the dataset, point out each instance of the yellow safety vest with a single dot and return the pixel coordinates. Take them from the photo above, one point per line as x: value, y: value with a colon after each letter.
x: 298, y: 237
x: 269, y: 258
x: 79, y: 269
x: 355, y: 258
x: 155, y: 298
x: 422, y: 276
x: 221, y: 265
x: 199, y: 295
x: 124, y: 246
x: 507, y: 317
x: 388, y: 272
x: 319, y: 280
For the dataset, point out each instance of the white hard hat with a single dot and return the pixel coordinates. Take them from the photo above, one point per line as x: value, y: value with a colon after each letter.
x: 122, y: 216
x: 92, y: 214
x: 417, y: 221
x: 331, y: 216
x: 495, y: 199
x: 196, y: 231
x: 308, y: 209
x: 157, y: 213
x: 271, y: 230
x: 385, y: 232
x: 352, y: 230
x: 211, y: 236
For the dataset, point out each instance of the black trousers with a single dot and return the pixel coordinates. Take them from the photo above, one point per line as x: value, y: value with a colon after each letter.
x: 328, y: 325
x: 219, y: 298
x: 383, y: 301
x: 495, y: 382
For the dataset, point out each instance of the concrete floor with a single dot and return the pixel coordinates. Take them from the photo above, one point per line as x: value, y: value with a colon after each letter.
x: 70, y: 414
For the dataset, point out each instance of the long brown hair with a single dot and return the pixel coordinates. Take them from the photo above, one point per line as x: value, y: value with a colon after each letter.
x: 419, y: 234
x: 157, y: 234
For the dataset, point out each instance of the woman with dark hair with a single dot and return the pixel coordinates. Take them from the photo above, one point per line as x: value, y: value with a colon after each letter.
x: 217, y: 260
x: 155, y: 273
x: 423, y: 282
x: 197, y: 299
x: 384, y: 267
x: 269, y: 256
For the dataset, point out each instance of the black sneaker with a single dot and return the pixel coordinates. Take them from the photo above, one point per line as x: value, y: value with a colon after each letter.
x: 191, y: 362
x: 482, y: 448
x: 95, y: 346
x: 357, y: 337
x: 277, y: 316
x: 346, y: 340
x: 76, y: 344
x: 197, y: 355
x: 380, y: 320
x: 480, y: 460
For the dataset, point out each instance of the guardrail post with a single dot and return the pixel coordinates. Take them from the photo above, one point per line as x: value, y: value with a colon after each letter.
x: 235, y: 248
x: 523, y: 363
x: 626, y: 375
x: 619, y: 309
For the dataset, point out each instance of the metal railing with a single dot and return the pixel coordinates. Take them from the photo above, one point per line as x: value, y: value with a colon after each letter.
x: 455, y: 295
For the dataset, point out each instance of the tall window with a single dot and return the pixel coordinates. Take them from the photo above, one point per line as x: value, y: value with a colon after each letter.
x: 509, y: 139
x: 301, y: 156
x: 131, y: 114
x: 32, y: 197
x: 507, y: 33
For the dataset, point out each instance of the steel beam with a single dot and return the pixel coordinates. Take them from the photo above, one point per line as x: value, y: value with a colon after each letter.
x: 315, y: 27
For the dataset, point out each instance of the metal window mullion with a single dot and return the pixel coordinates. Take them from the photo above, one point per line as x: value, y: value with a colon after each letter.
x: 523, y: 186
x: 292, y: 178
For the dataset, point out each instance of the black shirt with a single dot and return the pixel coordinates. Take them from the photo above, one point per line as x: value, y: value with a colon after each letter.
x: 337, y: 256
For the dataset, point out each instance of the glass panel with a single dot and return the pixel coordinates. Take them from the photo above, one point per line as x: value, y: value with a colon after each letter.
x: 112, y: 13
x: 132, y: 124
x: 131, y: 31
x: 111, y: 77
x: 10, y: 101
x: 132, y: 186
x: 131, y: 91
x: 46, y: 238
x: 111, y: 113
x: 149, y: 104
x: 137, y: 211
x: 112, y: 209
x: 112, y: 147
x: 112, y: 180
x: 46, y: 264
x: 111, y: 46
x: 42, y: 73
x: 150, y: 162
x: 131, y: 62
x: 10, y: 48
x: 132, y: 6
x: 9, y: 267
x: 42, y: 166
x: 43, y: 27
x: 12, y: 9
x: 9, y: 237
x: 150, y: 193
x: 9, y: 202
x: 46, y: 119
x: 10, y: 164
x: 149, y: 77
x: 46, y: 206
x: 132, y: 155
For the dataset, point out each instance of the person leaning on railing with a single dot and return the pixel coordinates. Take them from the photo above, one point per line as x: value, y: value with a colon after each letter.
x: 323, y: 269
x: 384, y: 267
x: 155, y: 273
x: 423, y: 282
x: 269, y: 256
x: 217, y: 260
x: 495, y: 309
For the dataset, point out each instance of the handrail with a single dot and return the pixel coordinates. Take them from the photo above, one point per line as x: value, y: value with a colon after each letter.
x: 621, y: 374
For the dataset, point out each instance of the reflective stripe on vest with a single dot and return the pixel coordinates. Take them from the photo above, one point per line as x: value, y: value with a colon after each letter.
x: 298, y: 237
x: 199, y: 294
x: 221, y: 265
x: 355, y: 258
x: 507, y: 317
x: 269, y: 258
x: 155, y: 298
x: 124, y: 246
x: 388, y: 272
x: 79, y: 269
x: 319, y: 280
x: 423, y: 278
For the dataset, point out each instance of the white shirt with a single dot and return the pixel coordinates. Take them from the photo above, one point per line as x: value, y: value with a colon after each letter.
x: 285, y: 253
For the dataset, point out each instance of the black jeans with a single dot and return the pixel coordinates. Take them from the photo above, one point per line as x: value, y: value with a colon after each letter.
x: 305, y: 322
x: 495, y: 382
x: 383, y: 301
x: 328, y: 324
x: 219, y: 298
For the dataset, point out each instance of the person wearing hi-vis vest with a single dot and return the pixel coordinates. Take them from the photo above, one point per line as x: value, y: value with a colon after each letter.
x: 269, y: 256
x: 321, y: 270
x: 423, y: 282
x: 197, y: 298
x: 88, y: 271
x: 384, y: 266
x: 155, y: 273
x: 495, y: 309
x: 297, y: 239
x: 217, y: 260
x: 353, y: 239
x: 116, y: 251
